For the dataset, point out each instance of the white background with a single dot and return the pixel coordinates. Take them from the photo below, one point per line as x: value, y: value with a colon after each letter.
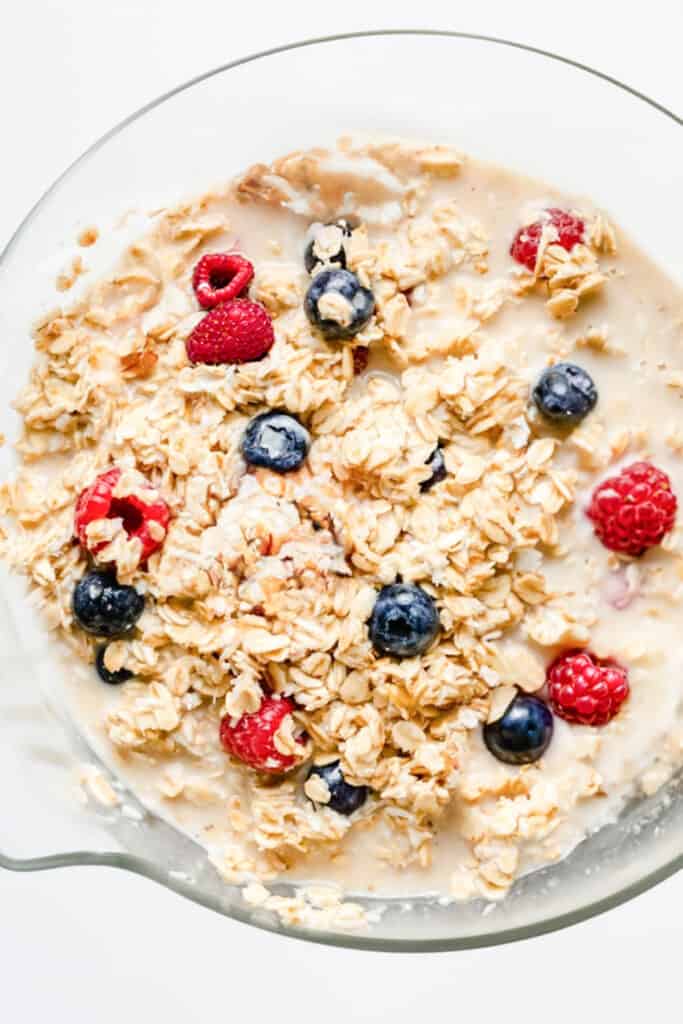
x: 93, y: 945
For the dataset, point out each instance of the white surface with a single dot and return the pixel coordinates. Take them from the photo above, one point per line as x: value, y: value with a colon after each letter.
x: 89, y: 945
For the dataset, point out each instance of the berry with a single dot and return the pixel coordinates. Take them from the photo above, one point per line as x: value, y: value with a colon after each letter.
x: 112, y: 678
x: 98, y: 502
x: 570, y: 230
x: 219, y: 277
x: 344, y: 798
x: 337, y: 304
x: 251, y: 738
x: 361, y: 358
x: 437, y: 465
x: 633, y: 511
x: 565, y: 393
x: 523, y: 733
x: 239, y: 331
x: 275, y: 440
x: 104, y: 607
x: 586, y: 690
x: 404, y: 621
x: 327, y: 245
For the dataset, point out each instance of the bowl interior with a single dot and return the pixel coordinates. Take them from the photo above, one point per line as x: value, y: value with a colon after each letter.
x: 503, y: 103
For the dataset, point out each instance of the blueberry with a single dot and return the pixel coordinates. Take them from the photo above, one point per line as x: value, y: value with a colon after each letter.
x: 337, y: 304
x: 438, y: 467
x: 105, y: 607
x: 404, y: 621
x: 565, y: 393
x: 344, y: 798
x: 112, y: 678
x: 276, y: 441
x: 327, y: 245
x: 523, y: 733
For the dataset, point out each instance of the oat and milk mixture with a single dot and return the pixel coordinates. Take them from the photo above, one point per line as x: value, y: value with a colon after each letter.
x: 321, y: 450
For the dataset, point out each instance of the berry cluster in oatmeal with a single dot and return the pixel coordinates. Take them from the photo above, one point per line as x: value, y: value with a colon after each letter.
x: 340, y: 508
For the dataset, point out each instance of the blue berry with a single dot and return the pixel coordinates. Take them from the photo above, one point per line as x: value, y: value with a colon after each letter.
x: 404, y: 621
x: 350, y: 305
x: 275, y: 440
x: 327, y: 245
x: 437, y: 465
x: 112, y: 678
x: 344, y: 798
x: 105, y: 607
x: 523, y: 733
x: 565, y: 393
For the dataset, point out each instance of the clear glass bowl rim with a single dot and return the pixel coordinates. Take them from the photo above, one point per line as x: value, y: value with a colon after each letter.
x: 145, y: 868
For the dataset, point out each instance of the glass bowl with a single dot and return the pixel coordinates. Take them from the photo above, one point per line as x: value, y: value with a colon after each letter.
x: 533, y: 111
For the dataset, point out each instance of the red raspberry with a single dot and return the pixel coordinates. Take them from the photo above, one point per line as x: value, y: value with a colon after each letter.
x: 251, y: 739
x: 239, y: 331
x: 633, y: 511
x: 219, y: 277
x: 585, y: 690
x: 570, y: 231
x: 98, y: 502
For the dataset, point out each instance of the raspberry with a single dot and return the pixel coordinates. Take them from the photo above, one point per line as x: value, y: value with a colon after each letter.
x: 570, y: 231
x: 98, y: 502
x: 239, y: 331
x: 219, y: 277
x: 251, y: 739
x: 586, y: 690
x: 633, y: 511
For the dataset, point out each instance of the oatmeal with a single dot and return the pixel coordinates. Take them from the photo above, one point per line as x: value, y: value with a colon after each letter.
x: 352, y: 491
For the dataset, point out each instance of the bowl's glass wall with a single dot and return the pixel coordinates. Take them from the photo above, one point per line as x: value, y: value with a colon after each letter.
x: 501, y: 103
